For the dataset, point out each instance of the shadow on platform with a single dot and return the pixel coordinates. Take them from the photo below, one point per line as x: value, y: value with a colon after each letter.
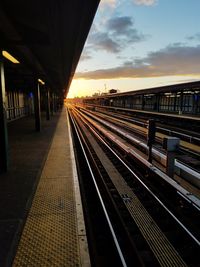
x: 27, y: 154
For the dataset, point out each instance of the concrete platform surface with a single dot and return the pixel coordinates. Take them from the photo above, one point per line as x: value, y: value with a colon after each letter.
x: 54, y: 233
x: 28, y: 151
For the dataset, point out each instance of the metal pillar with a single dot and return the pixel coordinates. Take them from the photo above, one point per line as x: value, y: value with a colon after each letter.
x: 195, y: 103
x: 181, y: 103
x: 51, y: 104
x: 13, y: 104
x: 143, y: 102
x: 47, y: 105
x: 171, y: 144
x: 37, y: 107
x: 56, y: 102
x: 3, y: 121
x: 157, y: 104
x: 151, y: 137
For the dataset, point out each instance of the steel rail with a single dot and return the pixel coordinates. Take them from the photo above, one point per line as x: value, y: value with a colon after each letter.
x: 149, y: 190
x: 160, y: 157
x: 101, y: 200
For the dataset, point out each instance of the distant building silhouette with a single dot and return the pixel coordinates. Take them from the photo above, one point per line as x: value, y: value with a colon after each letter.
x: 113, y: 91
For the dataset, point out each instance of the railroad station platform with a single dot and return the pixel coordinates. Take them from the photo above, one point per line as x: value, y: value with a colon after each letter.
x: 41, y: 219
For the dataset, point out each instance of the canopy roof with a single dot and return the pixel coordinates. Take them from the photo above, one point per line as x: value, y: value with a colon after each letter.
x: 47, y: 36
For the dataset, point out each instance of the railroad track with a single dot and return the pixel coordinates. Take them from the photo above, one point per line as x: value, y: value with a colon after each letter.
x: 189, y: 151
x: 140, y: 119
x: 185, y: 135
x: 145, y: 230
x: 186, y: 166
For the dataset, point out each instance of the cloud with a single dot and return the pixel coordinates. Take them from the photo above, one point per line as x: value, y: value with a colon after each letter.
x: 114, y: 3
x: 119, y: 24
x: 117, y: 34
x: 194, y: 37
x: 124, y: 27
x: 103, y: 41
x: 145, y: 2
x: 110, y: 3
x: 172, y: 60
x: 85, y: 55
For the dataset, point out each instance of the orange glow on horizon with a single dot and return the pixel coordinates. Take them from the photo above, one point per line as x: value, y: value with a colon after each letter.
x: 82, y: 87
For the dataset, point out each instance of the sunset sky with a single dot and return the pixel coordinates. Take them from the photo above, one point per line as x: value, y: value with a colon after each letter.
x: 137, y: 44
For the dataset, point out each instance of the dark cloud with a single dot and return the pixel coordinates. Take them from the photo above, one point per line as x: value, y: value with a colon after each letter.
x: 117, y: 34
x: 128, y: 64
x: 123, y: 27
x: 176, y: 57
x: 172, y: 60
x: 102, y: 40
x: 195, y: 37
x: 86, y: 55
x: 119, y: 25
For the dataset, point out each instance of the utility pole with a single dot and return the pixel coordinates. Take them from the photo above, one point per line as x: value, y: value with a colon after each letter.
x: 105, y: 87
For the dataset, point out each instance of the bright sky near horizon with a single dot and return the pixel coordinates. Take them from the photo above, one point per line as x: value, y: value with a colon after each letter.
x: 137, y: 44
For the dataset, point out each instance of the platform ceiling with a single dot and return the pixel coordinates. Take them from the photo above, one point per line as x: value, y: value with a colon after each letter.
x: 47, y: 36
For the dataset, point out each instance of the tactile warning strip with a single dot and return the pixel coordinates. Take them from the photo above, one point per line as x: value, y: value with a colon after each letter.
x: 51, y: 236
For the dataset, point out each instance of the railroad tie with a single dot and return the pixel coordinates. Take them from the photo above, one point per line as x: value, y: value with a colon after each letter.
x: 163, y: 250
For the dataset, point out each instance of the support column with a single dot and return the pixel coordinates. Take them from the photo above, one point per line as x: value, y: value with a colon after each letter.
x: 181, y: 103
x: 171, y: 144
x: 143, y: 103
x: 51, y: 104
x: 151, y: 137
x: 13, y: 104
x: 47, y: 105
x: 55, y: 103
x: 157, y: 106
x: 3, y: 120
x: 195, y: 104
x: 37, y: 107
